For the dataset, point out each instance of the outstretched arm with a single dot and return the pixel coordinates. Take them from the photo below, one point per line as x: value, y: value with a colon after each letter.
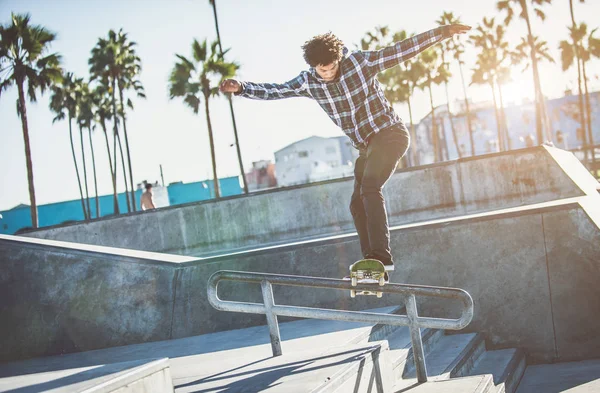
x: 297, y: 87
x: 401, y: 51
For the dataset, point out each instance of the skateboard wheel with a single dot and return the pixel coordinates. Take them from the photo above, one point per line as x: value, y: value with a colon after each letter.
x: 379, y: 294
x: 354, y: 281
x: 352, y: 293
x: 381, y: 281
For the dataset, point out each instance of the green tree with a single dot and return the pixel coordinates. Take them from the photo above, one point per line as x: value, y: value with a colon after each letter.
x: 433, y: 74
x: 522, y: 54
x: 457, y: 48
x: 568, y: 51
x: 521, y: 8
x: 448, y: 18
x: 85, y: 117
x: 399, y: 82
x: 491, y: 67
x: 194, y: 79
x: 213, y: 3
x: 62, y: 102
x: 79, y: 87
x: 24, y: 59
x: 102, y: 114
x: 115, y: 65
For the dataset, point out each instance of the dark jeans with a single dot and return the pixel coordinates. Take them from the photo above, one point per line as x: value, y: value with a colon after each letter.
x: 373, y: 168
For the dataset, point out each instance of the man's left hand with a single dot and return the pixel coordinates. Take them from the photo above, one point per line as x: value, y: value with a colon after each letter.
x: 458, y: 29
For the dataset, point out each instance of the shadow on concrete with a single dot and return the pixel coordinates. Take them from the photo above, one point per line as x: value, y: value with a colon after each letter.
x: 264, y: 378
x: 188, y: 346
x: 78, y: 377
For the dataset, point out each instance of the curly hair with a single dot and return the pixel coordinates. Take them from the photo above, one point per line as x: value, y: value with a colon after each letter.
x: 323, y: 49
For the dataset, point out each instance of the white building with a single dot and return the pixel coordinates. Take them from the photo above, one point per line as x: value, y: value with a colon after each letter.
x: 314, y: 159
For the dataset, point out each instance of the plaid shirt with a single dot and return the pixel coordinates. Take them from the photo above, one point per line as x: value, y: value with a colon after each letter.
x: 354, y: 100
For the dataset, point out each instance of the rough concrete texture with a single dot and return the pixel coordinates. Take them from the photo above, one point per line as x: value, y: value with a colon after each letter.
x: 574, y: 377
x: 223, y: 358
x: 58, y: 300
x: 145, y: 375
x: 519, y: 266
x: 449, y: 189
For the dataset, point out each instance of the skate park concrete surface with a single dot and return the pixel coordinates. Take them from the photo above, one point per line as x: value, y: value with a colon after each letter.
x: 529, y: 260
x: 449, y: 189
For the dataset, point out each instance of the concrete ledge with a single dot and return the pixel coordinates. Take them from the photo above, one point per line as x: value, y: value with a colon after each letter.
x: 523, y: 266
x: 135, y: 376
x: 443, y: 190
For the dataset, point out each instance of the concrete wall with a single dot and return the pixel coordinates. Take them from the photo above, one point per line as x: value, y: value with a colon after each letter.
x: 417, y: 194
x: 532, y: 272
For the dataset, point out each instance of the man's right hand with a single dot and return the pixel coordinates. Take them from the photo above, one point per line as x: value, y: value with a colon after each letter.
x: 230, y: 86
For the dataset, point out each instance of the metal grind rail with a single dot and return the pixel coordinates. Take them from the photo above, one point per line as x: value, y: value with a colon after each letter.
x: 411, y: 319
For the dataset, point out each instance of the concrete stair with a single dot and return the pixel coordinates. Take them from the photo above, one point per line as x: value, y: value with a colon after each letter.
x: 451, y: 357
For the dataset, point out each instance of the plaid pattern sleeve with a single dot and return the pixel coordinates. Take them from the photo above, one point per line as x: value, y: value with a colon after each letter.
x: 401, y: 51
x: 297, y: 87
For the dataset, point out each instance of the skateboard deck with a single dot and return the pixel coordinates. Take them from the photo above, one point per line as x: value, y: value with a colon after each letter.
x: 367, y: 271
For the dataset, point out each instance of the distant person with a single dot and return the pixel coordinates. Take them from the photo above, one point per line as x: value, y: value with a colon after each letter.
x: 345, y: 85
x: 147, y: 201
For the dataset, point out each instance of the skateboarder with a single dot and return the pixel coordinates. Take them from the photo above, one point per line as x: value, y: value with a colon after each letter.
x: 345, y: 85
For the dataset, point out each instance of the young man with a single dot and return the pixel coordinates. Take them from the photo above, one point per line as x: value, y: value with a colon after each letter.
x: 345, y: 85
x: 147, y: 201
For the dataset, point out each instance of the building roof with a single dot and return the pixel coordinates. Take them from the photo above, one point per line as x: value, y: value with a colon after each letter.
x: 302, y: 140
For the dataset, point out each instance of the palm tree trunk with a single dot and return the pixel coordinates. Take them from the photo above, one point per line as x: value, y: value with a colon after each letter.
x: 87, y: 194
x: 212, y: 148
x: 454, y: 136
x: 85, y: 212
x: 94, y: 171
x: 498, y: 122
x: 116, y: 136
x: 536, y: 77
x: 434, y: 134
x: 112, y: 173
x: 235, y: 133
x: 580, y: 89
x: 29, y: 163
x: 124, y: 172
x: 588, y: 108
x: 133, y: 204
x: 469, y: 126
x: 507, y: 141
x: 413, y: 135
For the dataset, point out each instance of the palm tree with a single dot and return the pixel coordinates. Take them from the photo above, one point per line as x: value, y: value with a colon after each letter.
x: 114, y: 64
x: 457, y: 48
x: 79, y: 87
x: 522, y: 55
x: 85, y: 117
x: 63, y: 100
x: 102, y: 113
x: 131, y: 66
x: 446, y: 47
x: 587, y: 51
x: 399, y: 82
x: 567, y: 53
x: 493, y: 69
x: 213, y: 3
x: 432, y: 74
x: 510, y: 7
x: 23, y: 58
x: 193, y: 79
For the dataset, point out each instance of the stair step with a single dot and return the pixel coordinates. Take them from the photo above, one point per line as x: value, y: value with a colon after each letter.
x: 474, y: 384
x: 506, y: 366
x: 401, y: 352
x: 451, y: 356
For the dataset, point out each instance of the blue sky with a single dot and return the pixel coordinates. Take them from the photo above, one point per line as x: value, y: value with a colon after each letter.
x: 265, y: 38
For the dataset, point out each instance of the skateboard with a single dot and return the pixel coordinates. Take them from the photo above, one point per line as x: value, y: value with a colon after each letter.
x: 367, y: 271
